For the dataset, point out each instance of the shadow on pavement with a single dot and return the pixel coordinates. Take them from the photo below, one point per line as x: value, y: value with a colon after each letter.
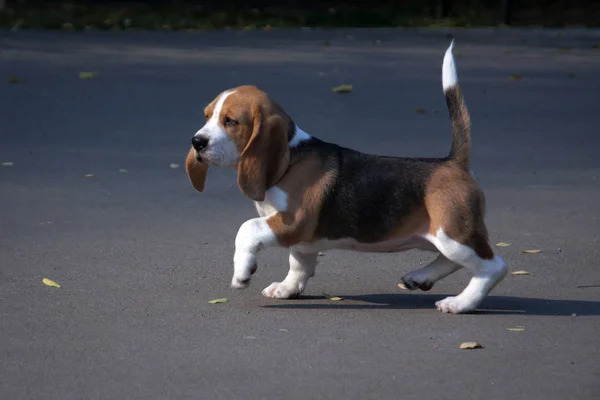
x: 491, y: 305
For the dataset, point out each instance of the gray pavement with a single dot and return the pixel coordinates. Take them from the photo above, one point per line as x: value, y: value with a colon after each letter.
x: 139, y: 253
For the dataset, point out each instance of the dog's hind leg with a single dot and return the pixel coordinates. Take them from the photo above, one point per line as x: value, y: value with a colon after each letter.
x: 424, y: 278
x: 488, y: 270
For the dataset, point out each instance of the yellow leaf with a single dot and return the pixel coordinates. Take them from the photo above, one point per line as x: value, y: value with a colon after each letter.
x: 502, y: 244
x: 87, y: 75
x: 215, y: 301
x: 515, y: 77
x: 420, y: 111
x: 519, y: 273
x: 173, y: 165
x: 14, y: 79
x: 331, y: 297
x: 470, y: 345
x: 401, y: 286
x: 343, y: 88
x: 8, y: 164
x: 532, y: 251
x: 518, y: 329
x: 50, y: 282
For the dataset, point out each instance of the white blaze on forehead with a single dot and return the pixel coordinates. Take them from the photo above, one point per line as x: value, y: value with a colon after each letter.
x: 213, y: 122
x: 220, y: 149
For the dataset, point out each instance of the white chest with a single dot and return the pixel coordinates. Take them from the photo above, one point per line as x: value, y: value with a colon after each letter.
x: 275, y: 201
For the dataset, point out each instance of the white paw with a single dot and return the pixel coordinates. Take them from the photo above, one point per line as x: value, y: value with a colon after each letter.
x: 240, y: 283
x: 281, y: 290
x: 454, y: 305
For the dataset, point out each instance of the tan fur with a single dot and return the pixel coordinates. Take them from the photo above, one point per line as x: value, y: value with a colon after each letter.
x: 456, y: 204
x: 196, y: 170
x: 453, y: 201
x: 261, y: 137
x: 266, y: 155
x: 416, y: 223
x: 306, y: 184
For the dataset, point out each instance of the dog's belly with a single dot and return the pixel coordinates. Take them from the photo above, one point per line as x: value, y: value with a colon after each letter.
x: 395, y: 245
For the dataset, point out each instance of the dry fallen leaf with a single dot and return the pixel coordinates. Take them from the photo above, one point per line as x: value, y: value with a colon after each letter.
x: 420, y: 111
x: 502, y: 244
x: 173, y: 165
x: 343, y: 88
x: 331, y: 297
x: 215, y: 301
x: 517, y: 329
x: 87, y: 75
x: 470, y: 345
x: 402, y: 286
x: 8, y: 164
x: 532, y: 251
x: 519, y: 273
x: 515, y: 77
x: 50, y: 282
x: 14, y: 79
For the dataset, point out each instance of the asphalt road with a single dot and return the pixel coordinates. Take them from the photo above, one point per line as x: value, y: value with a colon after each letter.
x: 139, y: 253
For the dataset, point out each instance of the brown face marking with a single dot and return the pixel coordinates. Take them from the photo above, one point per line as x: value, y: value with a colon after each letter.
x: 457, y: 205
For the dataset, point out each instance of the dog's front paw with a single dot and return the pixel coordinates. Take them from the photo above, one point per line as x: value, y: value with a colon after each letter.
x: 240, y: 283
x: 455, y: 305
x: 281, y: 290
x: 241, y: 276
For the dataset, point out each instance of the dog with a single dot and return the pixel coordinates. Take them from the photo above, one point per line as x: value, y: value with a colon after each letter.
x: 312, y: 195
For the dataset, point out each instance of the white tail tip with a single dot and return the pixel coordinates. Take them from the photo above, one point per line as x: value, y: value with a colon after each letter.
x: 449, y: 77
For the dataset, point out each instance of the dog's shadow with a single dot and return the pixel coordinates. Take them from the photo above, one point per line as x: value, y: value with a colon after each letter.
x: 491, y: 304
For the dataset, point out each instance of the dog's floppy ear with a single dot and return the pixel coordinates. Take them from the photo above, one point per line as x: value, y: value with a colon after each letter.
x: 266, y: 156
x: 196, y: 170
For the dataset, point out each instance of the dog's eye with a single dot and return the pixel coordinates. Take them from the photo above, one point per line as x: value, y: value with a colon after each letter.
x: 229, y: 122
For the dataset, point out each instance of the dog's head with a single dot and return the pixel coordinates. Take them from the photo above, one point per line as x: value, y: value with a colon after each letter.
x: 246, y: 130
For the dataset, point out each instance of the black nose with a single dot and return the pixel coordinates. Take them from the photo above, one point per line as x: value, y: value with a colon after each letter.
x: 199, y: 142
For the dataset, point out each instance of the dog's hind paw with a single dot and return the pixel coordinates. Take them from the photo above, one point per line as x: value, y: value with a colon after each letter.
x: 454, y: 305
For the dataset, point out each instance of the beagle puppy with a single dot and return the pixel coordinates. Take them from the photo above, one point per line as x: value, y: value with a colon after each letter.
x: 312, y: 196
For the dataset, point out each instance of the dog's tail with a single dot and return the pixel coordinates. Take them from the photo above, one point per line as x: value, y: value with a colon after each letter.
x: 459, y: 115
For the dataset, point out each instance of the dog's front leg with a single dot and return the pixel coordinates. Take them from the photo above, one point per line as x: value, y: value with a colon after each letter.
x: 302, y: 268
x: 254, y: 235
